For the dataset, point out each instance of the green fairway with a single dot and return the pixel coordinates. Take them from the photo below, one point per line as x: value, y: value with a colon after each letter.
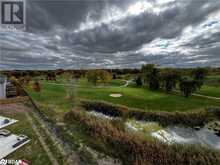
x: 210, y: 91
x: 132, y: 97
x: 213, y: 81
x: 52, y: 95
x: 211, y: 86
x: 145, y: 99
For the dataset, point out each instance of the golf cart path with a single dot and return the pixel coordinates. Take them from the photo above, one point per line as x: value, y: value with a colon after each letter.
x: 127, y: 82
x: 41, y: 139
x: 204, y: 96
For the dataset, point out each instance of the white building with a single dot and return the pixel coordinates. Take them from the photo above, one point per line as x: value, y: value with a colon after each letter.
x: 3, y: 82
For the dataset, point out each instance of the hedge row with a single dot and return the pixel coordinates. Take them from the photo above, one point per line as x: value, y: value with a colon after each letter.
x: 190, y: 119
x: 135, y: 150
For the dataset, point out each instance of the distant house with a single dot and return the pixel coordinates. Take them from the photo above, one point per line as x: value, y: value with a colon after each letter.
x: 7, y: 89
x: 3, y: 86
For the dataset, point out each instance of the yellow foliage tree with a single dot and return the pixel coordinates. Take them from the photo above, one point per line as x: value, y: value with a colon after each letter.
x: 99, y: 76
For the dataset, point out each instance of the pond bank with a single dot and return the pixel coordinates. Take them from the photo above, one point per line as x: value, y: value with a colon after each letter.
x: 173, y: 134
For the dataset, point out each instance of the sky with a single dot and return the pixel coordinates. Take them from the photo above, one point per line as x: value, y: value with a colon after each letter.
x: 86, y: 34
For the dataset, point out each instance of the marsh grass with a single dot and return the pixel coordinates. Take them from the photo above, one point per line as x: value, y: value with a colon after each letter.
x: 189, y: 119
x: 135, y: 150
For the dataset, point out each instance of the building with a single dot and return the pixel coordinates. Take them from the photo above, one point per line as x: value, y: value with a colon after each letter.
x: 3, y: 86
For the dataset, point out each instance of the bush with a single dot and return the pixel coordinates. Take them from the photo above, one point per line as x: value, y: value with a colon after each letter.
x: 107, y: 109
x: 36, y: 86
x: 215, y: 111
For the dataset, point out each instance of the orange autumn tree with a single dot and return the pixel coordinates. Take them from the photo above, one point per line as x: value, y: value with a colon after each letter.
x: 36, y: 86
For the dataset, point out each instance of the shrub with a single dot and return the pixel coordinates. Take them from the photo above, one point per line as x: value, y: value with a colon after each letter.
x: 107, y: 109
x: 36, y: 86
x: 215, y: 111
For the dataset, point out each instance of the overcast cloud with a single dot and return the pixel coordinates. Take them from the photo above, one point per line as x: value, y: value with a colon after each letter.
x: 114, y: 34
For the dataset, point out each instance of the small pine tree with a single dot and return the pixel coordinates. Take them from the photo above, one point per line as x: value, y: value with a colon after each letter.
x: 138, y: 81
x: 188, y: 86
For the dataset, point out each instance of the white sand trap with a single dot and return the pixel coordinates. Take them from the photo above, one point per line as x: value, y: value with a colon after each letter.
x: 7, y: 142
x: 116, y: 95
x: 4, y: 121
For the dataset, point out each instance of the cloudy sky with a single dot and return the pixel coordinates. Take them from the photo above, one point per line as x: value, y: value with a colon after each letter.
x: 114, y: 34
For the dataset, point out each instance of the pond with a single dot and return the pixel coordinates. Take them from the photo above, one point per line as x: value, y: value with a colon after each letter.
x: 181, y: 135
x: 172, y: 134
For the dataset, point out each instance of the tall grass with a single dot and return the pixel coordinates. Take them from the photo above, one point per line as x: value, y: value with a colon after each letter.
x: 135, y: 150
x: 190, y: 119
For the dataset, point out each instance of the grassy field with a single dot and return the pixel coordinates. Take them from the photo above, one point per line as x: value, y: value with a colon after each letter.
x: 132, y: 96
x: 145, y: 99
x: 54, y: 103
x: 213, y: 80
x: 211, y: 86
x: 210, y: 91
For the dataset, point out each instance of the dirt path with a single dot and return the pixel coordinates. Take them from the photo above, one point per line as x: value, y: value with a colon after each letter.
x: 41, y: 139
x: 72, y: 159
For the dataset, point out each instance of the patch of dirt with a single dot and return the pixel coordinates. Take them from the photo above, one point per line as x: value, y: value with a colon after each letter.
x: 14, y: 108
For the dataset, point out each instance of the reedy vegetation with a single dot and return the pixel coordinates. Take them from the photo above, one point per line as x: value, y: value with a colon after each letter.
x: 133, y: 149
x: 190, y: 119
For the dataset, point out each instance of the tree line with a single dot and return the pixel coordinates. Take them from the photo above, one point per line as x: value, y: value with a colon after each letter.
x: 169, y: 78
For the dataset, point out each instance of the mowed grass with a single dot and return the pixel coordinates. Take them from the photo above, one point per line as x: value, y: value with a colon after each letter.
x: 146, y: 99
x: 132, y: 97
x: 213, y: 80
x: 52, y: 95
x: 210, y: 91
x: 211, y: 86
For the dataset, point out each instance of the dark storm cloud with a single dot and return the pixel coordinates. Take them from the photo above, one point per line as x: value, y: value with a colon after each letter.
x: 116, y: 33
x: 145, y: 27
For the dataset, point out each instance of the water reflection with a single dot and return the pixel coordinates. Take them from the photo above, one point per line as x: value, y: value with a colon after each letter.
x: 180, y: 135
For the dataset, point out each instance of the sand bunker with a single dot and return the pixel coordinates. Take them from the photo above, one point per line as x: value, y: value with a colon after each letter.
x: 116, y: 95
